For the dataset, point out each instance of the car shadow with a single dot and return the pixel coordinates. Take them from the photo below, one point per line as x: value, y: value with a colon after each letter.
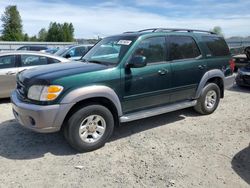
x: 19, y: 143
x: 241, y: 164
x: 237, y: 88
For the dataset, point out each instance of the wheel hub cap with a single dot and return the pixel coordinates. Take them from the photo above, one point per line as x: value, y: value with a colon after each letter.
x: 211, y: 98
x: 92, y: 128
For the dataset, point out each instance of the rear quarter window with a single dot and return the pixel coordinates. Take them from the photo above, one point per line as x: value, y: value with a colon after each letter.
x: 216, y: 45
x: 182, y: 47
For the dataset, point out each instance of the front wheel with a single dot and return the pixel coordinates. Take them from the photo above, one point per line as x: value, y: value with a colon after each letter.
x: 89, y: 128
x: 209, y: 99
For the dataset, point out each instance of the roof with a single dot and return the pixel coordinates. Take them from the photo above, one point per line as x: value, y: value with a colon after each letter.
x: 166, y: 30
x: 19, y: 52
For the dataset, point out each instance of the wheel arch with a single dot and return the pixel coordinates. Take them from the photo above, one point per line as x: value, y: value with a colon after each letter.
x: 102, y: 95
x: 212, y: 76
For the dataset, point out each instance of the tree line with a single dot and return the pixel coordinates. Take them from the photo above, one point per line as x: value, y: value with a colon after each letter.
x: 12, y: 29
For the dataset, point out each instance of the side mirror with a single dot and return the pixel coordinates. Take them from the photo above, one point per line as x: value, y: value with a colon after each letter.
x: 247, y: 52
x: 137, y: 62
x: 67, y: 56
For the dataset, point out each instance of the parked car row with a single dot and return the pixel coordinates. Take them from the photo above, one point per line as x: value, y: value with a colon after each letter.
x: 27, y: 57
x: 70, y: 52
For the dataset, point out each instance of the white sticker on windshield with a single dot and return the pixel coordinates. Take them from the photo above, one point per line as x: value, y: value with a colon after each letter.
x: 124, y: 42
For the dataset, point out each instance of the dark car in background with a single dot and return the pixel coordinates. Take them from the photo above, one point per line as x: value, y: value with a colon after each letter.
x: 32, y: 48
x: 242, y: 60
x: 74, y: 52
x: 243, y: 77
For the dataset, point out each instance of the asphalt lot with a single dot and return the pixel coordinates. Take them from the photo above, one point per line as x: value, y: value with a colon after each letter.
x: 178, y: 149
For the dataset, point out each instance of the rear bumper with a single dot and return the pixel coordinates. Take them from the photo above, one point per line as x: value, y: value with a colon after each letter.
x: 43, y: 119
x: 229, y: 81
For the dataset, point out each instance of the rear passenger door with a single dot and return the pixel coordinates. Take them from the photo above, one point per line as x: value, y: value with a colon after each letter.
x: 27, y: 61
x: 187, y: 65
x: 8, y: 71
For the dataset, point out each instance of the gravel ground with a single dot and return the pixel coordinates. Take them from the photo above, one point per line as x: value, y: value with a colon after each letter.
x: 178, y: 149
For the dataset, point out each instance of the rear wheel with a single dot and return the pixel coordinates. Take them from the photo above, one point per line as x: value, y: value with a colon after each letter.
x: 209, y: 99
x: 89, y: 128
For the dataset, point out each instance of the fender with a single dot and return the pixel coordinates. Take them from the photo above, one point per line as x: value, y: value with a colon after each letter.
x: 91, y: 92
x: 210, y: 74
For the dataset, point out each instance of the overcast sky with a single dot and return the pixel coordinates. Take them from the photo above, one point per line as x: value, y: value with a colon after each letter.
x: 92, y: 18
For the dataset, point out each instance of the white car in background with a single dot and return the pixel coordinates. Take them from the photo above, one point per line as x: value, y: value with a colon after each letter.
x: 16, y: 61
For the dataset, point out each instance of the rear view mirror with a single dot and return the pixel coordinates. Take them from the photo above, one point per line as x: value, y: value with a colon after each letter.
x: 137, y: 61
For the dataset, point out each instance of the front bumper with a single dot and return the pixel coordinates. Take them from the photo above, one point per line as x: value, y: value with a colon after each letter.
x: 43, y: 119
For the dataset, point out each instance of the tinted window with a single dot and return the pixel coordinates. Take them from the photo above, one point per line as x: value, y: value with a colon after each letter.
x: 7, y: 61
x: 154, y: 49
x: 37, y: 48
x: 182, y: 47
x: 33, y: 60
x: 51, y: 61
x: 216, y: 45
x: 23, y: 48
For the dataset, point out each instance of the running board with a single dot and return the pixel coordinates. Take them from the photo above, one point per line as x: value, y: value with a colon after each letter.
x: 157, y: 111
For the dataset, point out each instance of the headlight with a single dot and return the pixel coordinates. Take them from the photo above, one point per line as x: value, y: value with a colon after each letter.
x: 44, y: 93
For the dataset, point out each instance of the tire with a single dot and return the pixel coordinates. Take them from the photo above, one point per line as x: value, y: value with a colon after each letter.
x: 211, y: 93
x: 96, y: 123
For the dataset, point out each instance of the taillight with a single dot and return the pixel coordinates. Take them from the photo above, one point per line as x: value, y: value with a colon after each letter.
x: 232, y: 64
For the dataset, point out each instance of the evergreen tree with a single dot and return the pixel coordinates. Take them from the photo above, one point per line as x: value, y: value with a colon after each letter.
x: 26, y: 37
x: 60, y: 32
x: 217, y: 30
x: 42, y: 34
x: 12, y: 24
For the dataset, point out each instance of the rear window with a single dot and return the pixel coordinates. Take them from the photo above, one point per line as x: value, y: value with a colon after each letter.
x: 182, y: 47
x: 216, y: 45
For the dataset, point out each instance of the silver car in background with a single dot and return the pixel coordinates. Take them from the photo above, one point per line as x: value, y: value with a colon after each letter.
x: 15, y: 61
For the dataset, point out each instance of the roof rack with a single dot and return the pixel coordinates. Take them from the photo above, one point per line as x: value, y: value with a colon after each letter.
x: 172, y: 29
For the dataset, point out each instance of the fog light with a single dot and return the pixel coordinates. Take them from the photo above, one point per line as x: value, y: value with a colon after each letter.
x: 32, y: 121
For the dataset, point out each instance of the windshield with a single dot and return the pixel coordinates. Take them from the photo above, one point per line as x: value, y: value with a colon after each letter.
x: 62, y: 51
x: 110, y: 50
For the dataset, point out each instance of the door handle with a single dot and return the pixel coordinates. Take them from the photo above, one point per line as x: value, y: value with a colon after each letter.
x: 10, y: 73
x: 162, y: 71
x: 201, y: 67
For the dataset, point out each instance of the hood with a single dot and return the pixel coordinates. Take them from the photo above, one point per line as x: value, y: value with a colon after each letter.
x: 44, y: 74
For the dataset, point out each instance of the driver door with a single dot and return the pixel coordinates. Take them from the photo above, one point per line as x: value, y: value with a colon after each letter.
x: 147, y: 86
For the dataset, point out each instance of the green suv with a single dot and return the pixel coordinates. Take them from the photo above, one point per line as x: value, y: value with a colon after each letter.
x: 124, y: 78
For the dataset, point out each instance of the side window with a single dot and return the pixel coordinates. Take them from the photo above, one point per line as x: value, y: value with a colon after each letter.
x: 79, y: 51
x: 52, y: 61
x: 182, y: 47
x: 7, y: 61
x: 154, y: 49
x: 71, y: 53
x: 33, y: 60
x: 216, y: 45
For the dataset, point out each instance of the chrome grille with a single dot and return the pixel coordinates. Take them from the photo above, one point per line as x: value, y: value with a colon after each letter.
x: 21, y: 90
